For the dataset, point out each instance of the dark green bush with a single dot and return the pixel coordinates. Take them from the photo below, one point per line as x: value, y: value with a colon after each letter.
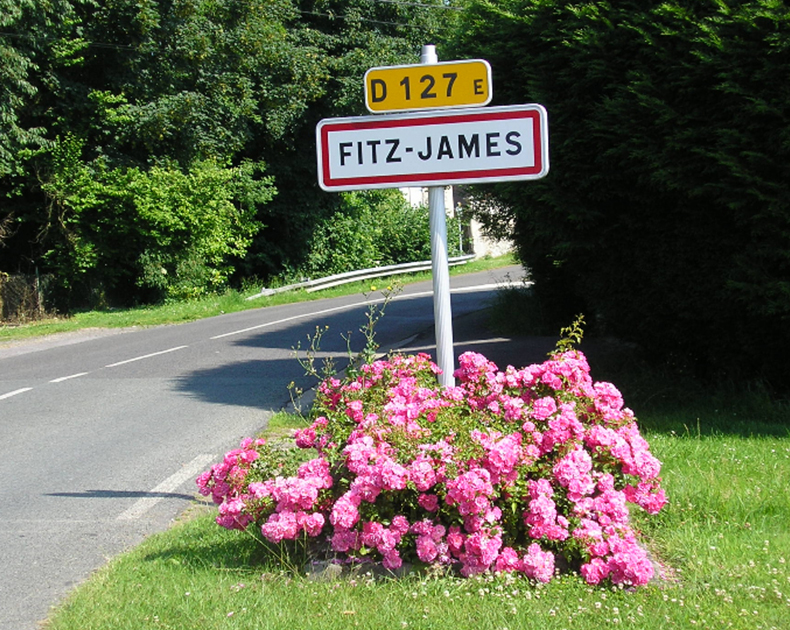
x: 666, y: 214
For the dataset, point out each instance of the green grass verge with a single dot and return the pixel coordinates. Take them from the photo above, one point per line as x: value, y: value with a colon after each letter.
x: 723, y: 539
x: 723, y: 542
x: 229, y: 302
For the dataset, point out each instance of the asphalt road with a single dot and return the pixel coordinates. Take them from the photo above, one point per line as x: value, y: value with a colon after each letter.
x: 104, y: 432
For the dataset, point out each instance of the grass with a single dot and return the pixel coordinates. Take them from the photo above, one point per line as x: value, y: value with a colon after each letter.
x: 723, y: 545
x: 723, y: 540
x: 229, y: 302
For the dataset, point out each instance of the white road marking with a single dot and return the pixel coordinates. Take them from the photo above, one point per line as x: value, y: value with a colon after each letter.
x: 408, y: 296
x: 191, y: 470
x: 15, y: 392
x: 499, y: 285
x: 290, y: 319
x: 146, y: 356
x: 66, y: 378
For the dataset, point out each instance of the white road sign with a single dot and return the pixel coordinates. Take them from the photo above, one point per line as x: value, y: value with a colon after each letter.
x: 433, y: 148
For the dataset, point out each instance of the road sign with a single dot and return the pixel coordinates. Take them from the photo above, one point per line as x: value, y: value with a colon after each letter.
x: 448, y: 84
x: 492, y: 144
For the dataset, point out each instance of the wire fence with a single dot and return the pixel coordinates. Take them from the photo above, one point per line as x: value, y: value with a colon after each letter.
x: 22, y: 297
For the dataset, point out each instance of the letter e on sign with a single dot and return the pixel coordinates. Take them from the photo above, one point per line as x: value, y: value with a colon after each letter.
x: 423, y: 86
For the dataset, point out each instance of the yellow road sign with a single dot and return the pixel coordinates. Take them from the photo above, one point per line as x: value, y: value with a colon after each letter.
x: 447, y: 84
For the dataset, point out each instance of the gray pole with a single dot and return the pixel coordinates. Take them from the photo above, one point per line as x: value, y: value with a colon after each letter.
x: 442, y: 309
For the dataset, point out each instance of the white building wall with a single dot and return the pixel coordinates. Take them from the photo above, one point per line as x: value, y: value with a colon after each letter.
x: 482, y: 245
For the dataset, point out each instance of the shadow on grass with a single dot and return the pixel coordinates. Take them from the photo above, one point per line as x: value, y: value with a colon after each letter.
x: 665, y: 398
x: 202, y: 544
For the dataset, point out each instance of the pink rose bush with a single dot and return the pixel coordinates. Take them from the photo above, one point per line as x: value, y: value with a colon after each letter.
x: 524, y: 471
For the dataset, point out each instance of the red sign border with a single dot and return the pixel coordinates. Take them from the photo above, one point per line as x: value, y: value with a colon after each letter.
x: 441, y: 178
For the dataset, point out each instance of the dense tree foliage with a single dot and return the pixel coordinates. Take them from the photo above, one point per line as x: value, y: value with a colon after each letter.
x: 141, y: 95
x: 373, y: 228
x: 156, y: 232
x: 666, y: 215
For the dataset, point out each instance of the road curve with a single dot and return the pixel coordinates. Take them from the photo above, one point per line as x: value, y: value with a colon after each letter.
x: 103, y: 432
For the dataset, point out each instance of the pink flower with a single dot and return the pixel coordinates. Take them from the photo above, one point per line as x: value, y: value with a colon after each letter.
x: 646, y: 495
x: 608, y: 397
x: 359, y: 453
x: 427, y: 551
x: 573, y: 472
x: 470, y: 491
x: 595, y: 571
x: 629, y: 563
x: 392, y: 560
x: 372, y: 533
x: 455, y: 540
x: 507, y: 561
x: 294, y: 493
x: 538, y: 564
x: 504, y: 455
x: 544, y: 440
x: 514, y: 409
x: 552, y: 380
x: 399, y: 525
x: 543, y: 408
x: 259, y: 489
x: 203, y: 483
x: 313, y: 524
x: 345, y: 540
x: 393, y: 475
x: 422, y: 474
x: 481, y: 550
x: 280, y: 526
x: 232, y: 515
x: 316, y: 472
x: 345, y: 513
x: 366, y: 487
x: 305, y: 438
x: 354, y: 410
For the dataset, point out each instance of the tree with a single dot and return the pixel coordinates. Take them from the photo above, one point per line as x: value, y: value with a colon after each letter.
x: 373, y: 228
x: 666, y: 216
x: 177, y: 85
x: 38, y: 40
x: 350, y: 36
x: 124, y: 234
x: 248, y: 80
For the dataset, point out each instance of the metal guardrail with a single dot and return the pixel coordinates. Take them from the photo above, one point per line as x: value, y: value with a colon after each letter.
x: 363, y: 274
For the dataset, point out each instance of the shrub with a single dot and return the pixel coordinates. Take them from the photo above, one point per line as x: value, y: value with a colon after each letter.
x: 665, y: 217
x: 148, y: 234
x: 526, y: 470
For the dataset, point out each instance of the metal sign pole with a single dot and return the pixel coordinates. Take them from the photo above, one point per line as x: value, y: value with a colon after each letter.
x: 442, y: 308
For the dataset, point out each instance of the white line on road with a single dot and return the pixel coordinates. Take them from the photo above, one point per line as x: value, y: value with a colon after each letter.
x: 146, y: 356
x: 66, y: 378
x: 192, y: 469
x: 15, y: 392
x: 488, y: 287
x: 289, y: 319
x: 407, y: 296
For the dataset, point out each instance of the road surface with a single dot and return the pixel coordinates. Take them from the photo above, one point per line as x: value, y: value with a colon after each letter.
x: 104, y: 432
